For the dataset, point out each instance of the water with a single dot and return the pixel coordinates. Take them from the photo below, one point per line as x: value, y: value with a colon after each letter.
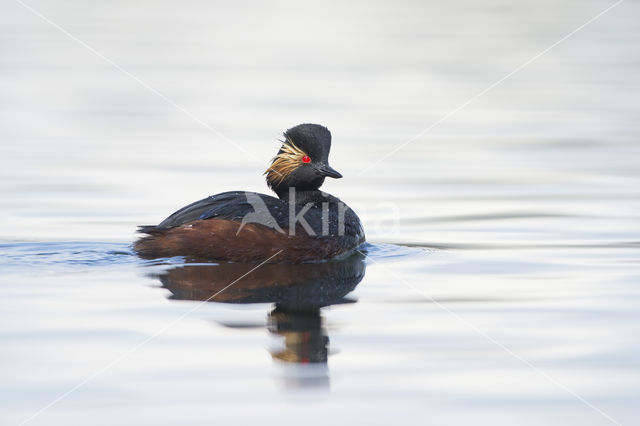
x: 501, y: 283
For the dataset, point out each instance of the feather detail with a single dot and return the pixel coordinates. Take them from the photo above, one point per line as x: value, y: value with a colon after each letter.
x: 288, y: 159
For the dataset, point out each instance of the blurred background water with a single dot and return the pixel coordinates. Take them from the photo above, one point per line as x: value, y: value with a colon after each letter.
x: 515, y: 219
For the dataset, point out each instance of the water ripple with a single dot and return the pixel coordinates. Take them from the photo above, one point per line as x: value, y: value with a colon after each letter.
x: 69, y: 254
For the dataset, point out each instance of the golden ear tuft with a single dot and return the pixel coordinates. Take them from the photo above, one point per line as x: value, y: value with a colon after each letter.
x: 285, y: 162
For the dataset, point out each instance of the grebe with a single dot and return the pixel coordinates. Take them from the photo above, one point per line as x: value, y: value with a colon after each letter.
x: 303, y: 224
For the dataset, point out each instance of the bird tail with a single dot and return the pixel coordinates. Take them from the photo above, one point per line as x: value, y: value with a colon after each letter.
x: 149, y: 229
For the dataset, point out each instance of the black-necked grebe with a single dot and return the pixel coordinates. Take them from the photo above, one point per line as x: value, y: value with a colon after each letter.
x: 303, y: 224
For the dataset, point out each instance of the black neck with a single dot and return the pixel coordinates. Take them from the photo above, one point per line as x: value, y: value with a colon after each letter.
x: 302, y: 196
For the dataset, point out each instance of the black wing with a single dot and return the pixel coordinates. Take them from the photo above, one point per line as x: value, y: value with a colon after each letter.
x: 252, y: 207
x: 233, y: 205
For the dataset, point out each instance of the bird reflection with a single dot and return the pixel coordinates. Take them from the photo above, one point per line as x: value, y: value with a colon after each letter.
x: 298, y: 292
x: 305, y: 338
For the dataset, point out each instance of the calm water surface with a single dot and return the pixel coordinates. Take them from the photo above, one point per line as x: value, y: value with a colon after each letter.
x: 501, y: 283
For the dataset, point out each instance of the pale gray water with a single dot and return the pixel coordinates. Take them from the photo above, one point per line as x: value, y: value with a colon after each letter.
x: 503, y: 277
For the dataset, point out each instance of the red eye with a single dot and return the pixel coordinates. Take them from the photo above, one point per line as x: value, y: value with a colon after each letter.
x: 306, y: 159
